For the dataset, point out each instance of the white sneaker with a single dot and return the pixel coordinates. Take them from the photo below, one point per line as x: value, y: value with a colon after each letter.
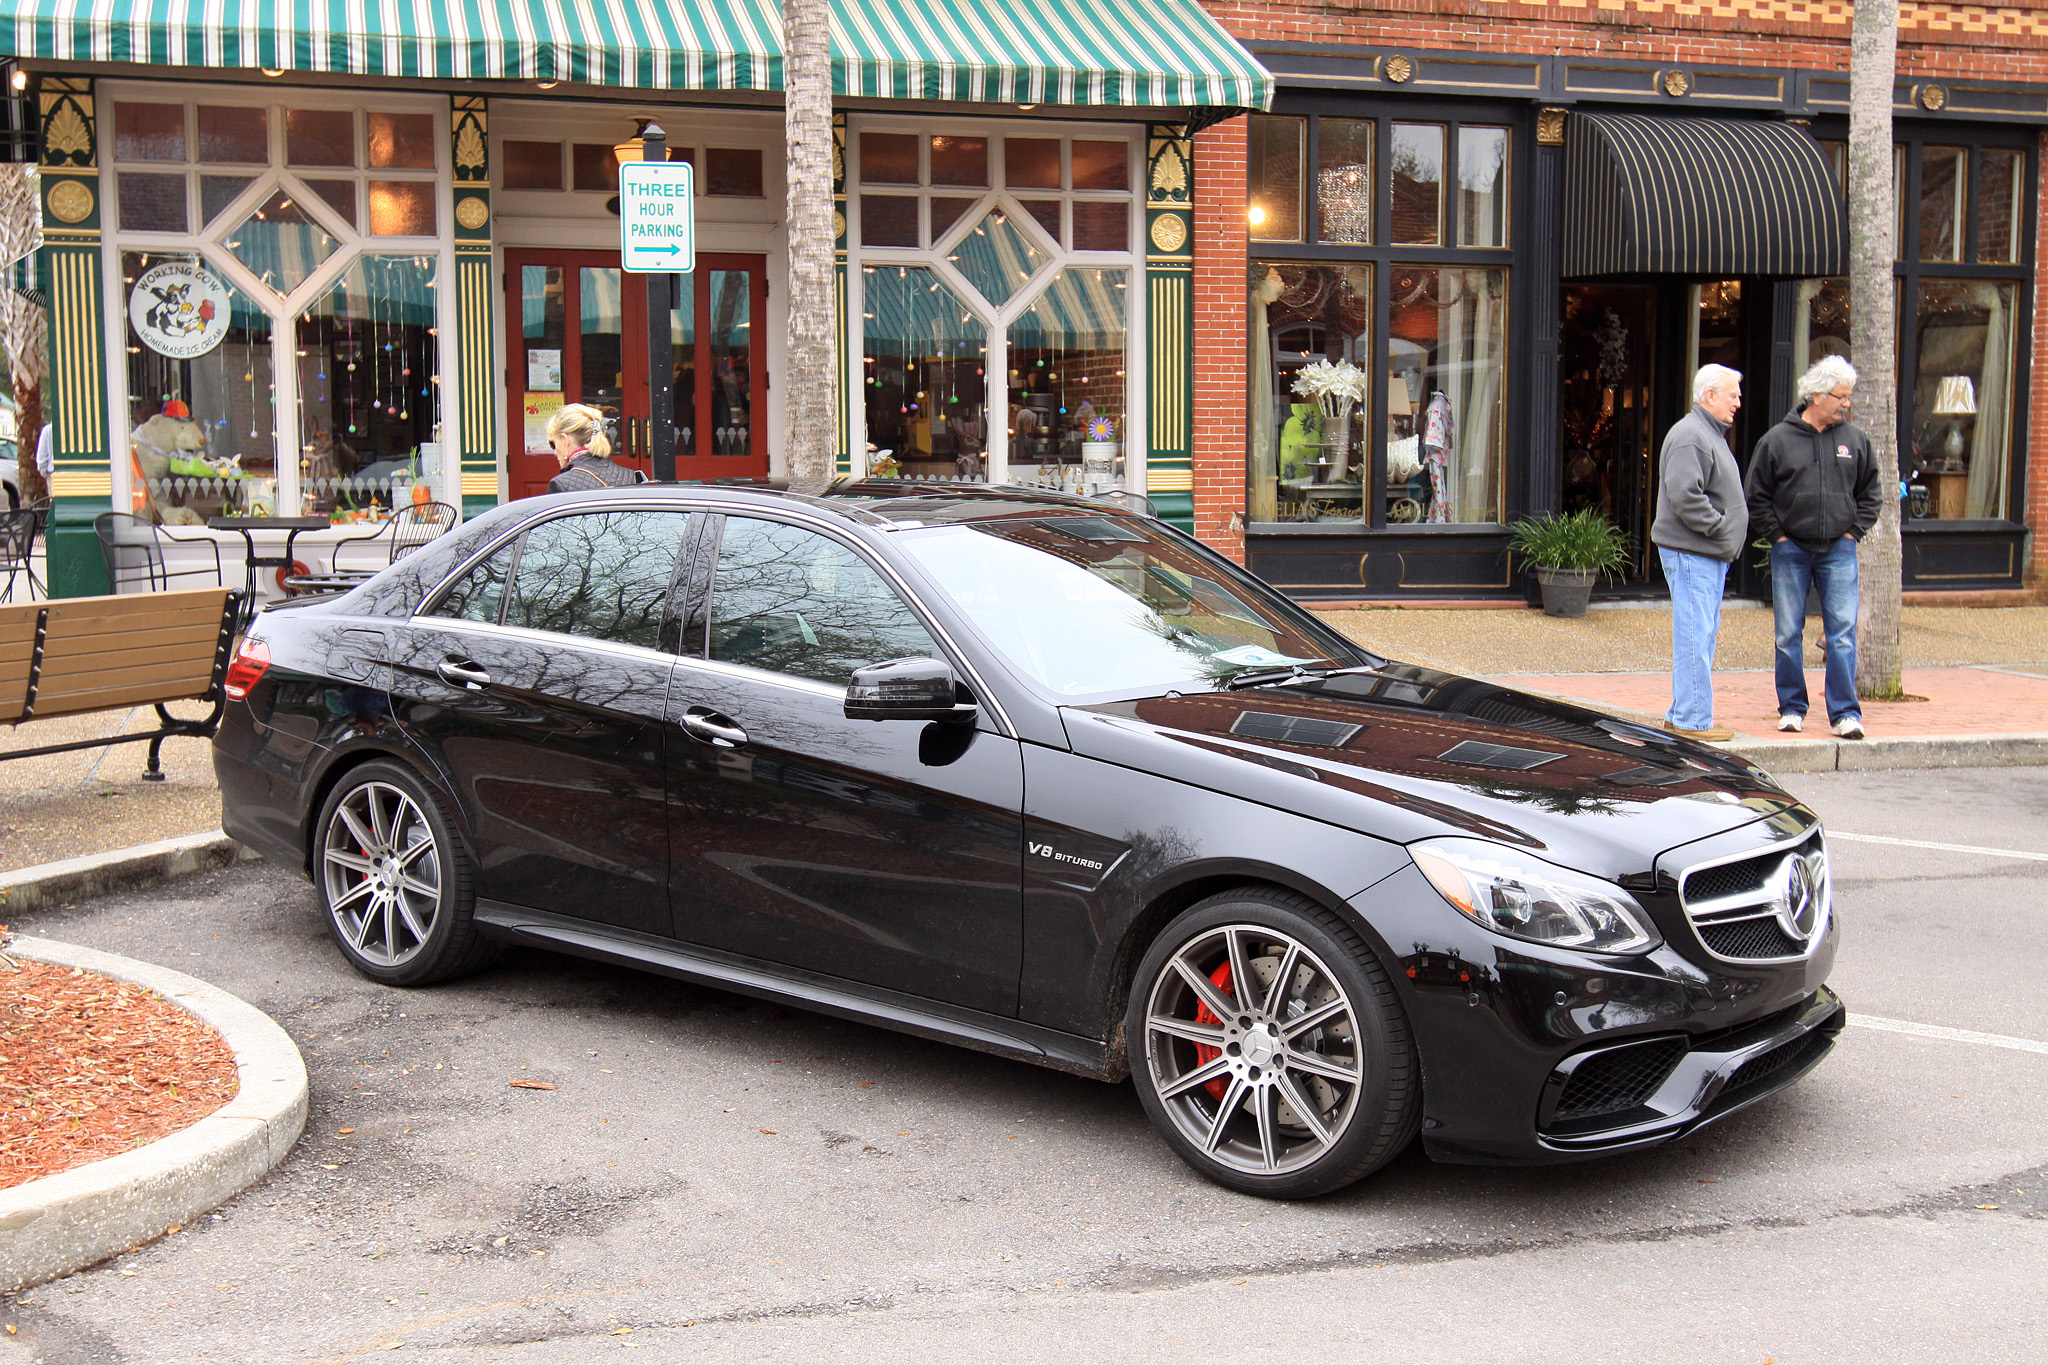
x: 1792, y: 721
x: 1849, y: 727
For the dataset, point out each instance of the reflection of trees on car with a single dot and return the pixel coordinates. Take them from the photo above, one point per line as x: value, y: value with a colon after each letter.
x: 789, y: 600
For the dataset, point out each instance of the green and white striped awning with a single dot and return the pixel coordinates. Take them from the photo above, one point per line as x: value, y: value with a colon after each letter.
x: 1164, y: 53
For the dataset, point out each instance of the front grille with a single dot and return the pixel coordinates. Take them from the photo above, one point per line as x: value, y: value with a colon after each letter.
x: 1750, y: 940
x: 1759, y: 1069
x: 1616, y: 1081
x: 1730, y: 879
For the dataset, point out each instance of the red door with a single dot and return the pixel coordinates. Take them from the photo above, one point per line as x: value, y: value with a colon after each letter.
x: 576, y: 332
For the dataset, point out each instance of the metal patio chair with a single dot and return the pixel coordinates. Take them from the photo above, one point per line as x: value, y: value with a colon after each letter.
x: 410, y: 527
x: 133, y: 548
x: 18, y: 531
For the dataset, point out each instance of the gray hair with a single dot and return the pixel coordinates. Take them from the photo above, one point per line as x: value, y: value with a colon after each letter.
x: 1828, y: 373
x: 1712, y: 377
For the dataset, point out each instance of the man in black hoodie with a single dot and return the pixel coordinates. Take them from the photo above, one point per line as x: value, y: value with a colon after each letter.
x: 1812, y: 489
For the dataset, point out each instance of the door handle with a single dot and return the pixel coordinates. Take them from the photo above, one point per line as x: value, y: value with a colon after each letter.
x: 708, y: 727
x: 463, y: 673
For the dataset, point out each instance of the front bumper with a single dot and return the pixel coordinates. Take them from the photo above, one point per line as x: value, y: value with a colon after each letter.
x: 1644, y: 1091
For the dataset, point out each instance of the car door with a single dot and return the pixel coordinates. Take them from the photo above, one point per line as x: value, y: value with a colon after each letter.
x: 540, y: 680
x: 882, y: 852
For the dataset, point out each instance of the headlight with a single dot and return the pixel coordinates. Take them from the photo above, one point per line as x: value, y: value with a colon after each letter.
x: 1523, y: 897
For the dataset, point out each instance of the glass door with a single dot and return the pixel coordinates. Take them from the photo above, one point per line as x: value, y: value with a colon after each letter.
x: 576, y: 332
x: 1609, y: 434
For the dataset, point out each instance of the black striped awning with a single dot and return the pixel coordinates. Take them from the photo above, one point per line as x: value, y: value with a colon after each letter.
x: 1648, y: 195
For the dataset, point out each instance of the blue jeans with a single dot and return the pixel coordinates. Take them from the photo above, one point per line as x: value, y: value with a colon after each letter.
x: 1695, y: 582
x: 1834, y: 573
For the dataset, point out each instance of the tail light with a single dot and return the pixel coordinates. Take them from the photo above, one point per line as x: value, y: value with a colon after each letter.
x: 252, y: 658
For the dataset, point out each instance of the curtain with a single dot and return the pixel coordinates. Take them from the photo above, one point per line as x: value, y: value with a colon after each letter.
x: 1989, y: 447
x: 1263, y: 468
x: 1468, y: 369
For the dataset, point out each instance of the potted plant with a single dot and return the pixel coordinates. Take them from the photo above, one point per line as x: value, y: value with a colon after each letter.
x: 1569, y: 552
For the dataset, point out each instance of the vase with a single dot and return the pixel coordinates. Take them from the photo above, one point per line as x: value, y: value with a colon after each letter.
x: 1337, y: 444
x: 1566, y: 592
x: 1098, y: 465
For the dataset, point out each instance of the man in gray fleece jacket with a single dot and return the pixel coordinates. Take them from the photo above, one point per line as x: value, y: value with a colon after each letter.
x: 1702, y: 520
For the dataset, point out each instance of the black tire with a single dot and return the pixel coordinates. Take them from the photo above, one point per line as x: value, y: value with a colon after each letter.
x: 396, y: 886
x: 1227, y: 1086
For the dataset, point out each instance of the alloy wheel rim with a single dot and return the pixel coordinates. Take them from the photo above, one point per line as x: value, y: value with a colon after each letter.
x: 1253, y: 1048
x: 381, y: 869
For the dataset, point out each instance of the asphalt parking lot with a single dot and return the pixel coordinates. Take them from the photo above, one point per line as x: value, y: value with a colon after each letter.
x: 714, y: 1178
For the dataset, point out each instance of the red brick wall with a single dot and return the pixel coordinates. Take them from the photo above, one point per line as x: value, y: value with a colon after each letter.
x: 2036, y: 514
x: 1221, y: 247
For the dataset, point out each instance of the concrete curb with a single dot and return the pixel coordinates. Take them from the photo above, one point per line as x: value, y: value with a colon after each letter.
x: 61, y: 1223
x: 1828, y: 754
x: 122, y: 869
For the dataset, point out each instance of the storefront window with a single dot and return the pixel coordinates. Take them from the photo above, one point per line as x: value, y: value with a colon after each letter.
x: 924, y: 363
x: 1305, y: 449
x: 1027, y: 281
x: 1944, y: 190
x: 1446, y: 357
x: 1273, y: 160
x: 368, y: 393
x: 1349, y: 424
x: 202, y: 424
x: 1067, y: 382
x: 1998, y: 206
x: 1962, y: 396
x: 326, y: 278
x: 1418, y: 168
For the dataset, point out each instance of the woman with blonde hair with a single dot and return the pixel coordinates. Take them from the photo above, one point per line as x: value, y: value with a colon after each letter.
x: 576, y: 431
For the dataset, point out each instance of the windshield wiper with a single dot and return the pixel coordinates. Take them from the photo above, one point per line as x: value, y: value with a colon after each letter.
x: 1276, y: 677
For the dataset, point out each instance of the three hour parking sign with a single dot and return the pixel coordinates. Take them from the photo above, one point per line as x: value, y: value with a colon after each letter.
x: 657, y: 216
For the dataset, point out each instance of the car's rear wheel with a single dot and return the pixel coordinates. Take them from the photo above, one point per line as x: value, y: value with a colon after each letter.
x: 1269, y: 1048
x: 394, y: 881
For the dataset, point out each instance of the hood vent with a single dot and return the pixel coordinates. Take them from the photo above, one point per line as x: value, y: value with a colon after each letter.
x: 1306, y: 730
x: 1474, y: 754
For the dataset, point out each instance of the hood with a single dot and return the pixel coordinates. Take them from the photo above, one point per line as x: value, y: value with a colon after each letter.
x: 1407, y: 753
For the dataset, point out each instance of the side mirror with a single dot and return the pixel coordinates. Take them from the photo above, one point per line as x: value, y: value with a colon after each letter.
x: 907, y: 689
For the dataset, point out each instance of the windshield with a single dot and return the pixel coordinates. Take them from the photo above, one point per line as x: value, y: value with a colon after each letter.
x: 1090, y: 605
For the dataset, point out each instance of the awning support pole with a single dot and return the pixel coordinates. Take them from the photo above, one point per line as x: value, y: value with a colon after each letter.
x: 661, y: 395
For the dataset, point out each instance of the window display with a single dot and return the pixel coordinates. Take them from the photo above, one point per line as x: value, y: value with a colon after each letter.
x: 234, y: 279
x: 1962, y: 395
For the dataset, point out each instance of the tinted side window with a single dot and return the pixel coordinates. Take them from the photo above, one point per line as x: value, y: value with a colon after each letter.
x: 792, y: 601
x: 600, y: 575
x: 481, y: 591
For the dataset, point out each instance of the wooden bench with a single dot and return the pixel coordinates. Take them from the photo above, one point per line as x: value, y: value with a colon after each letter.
x: 72, y: 655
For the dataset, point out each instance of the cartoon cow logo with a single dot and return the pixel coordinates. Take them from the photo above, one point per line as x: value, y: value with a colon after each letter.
x: 179, y: 309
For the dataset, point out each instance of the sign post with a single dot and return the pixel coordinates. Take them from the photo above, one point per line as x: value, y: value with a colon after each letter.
x: 658, y: 237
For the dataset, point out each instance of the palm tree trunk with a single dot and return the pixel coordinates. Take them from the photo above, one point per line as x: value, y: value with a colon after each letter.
x: 1873, y: 332
x: 23, y: 324
x: 810, y: 388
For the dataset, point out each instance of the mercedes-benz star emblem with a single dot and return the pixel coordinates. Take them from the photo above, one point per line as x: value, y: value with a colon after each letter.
x: 1799, y: 906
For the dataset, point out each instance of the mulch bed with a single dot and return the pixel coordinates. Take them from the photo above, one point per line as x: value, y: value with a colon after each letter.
x: 91, y: 1067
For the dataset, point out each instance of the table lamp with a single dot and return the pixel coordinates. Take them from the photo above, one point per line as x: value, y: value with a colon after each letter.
x: 1956, y: 398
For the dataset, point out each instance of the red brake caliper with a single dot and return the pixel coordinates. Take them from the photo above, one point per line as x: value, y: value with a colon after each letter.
x: 1205, y: 1054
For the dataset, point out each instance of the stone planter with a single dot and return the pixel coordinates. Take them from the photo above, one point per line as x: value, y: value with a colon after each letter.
x: 1566, y: 592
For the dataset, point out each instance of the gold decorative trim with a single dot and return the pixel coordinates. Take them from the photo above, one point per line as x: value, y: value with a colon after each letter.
x: 1676, y: 83
x: 1169, y: 158
x: 472, y: 212
x: 1550, y: 127
x: 67, y: 128
x: 472, y: 152
x: 1169, y: 232
x: 82, y: 483
x: 479, y: 483
x: 1170, y: 480
x: 1400, y: 70
x: 71, y: 201
x: 838, y: 224
x: 1933, y: 98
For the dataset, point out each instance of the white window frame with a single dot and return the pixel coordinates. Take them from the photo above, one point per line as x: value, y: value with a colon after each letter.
x: 996, y: 395
x: 206, y: 244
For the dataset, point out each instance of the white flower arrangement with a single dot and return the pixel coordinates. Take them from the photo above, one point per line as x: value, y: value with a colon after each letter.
x: 1336, y: 388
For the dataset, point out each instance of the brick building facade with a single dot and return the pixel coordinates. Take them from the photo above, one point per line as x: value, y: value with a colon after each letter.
x: 1421, y: 195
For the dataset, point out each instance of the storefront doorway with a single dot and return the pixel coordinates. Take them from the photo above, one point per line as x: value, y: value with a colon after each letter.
x: 576, y: 332
x: 1627, y: 354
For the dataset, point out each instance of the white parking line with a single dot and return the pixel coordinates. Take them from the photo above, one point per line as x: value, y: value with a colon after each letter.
x: 1952, y: 1035
x: 1835, y: 835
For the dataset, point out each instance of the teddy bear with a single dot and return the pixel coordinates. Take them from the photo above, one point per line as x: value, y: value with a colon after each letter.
x: 169, y: 444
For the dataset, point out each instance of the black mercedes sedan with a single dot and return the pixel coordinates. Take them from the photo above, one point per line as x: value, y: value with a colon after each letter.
x: 1046, y: 778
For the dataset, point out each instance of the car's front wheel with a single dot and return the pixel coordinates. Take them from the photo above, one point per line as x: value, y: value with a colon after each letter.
x: 1268, y: 1046
x: 394, y: 881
